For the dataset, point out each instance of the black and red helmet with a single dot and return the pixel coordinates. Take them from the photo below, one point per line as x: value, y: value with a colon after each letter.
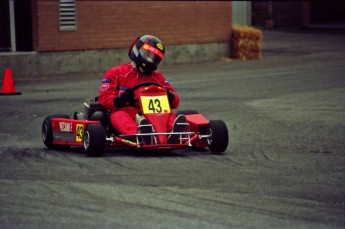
x: 146, y: 52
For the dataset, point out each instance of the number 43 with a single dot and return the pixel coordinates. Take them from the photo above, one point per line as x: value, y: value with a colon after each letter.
x: 155, y: 106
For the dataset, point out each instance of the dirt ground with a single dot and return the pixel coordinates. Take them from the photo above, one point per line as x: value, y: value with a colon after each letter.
x: 284, y: 167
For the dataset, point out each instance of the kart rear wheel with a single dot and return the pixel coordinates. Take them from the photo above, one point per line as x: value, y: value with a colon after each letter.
x: 94, y: 140
x: 218, y: 136
x: 47, y: 132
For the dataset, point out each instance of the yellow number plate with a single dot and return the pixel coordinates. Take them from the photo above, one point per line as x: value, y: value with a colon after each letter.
x: 155, y: 104
x: 80, y: 133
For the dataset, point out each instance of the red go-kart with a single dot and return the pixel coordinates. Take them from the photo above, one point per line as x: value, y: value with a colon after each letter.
x: 93, y: 131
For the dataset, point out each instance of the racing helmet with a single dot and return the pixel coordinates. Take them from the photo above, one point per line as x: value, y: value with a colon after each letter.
x: 146, y: 52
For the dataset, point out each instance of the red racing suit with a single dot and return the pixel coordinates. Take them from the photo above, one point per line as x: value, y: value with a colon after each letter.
x: 118, y: 79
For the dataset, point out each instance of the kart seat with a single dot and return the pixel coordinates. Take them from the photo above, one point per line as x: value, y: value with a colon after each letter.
x: 96, y: 112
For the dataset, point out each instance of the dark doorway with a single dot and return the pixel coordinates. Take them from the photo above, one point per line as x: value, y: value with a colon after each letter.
x: 330, y: 11
x: 23, y: 20
x: 5, y: 37
x: 23, y: 25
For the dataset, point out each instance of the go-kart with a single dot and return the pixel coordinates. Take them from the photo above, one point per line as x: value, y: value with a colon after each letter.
x: 93, y: 131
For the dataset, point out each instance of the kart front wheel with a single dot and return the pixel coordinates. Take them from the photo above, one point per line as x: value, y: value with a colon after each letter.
x: 218, y: 136
x: 47, y: 132
x: 94, y: 140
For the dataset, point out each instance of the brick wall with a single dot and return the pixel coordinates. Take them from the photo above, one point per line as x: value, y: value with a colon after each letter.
x: 284, y: 13
x: 115, y: 24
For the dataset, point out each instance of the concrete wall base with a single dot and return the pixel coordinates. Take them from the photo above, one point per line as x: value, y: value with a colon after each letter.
x: 29, y: 65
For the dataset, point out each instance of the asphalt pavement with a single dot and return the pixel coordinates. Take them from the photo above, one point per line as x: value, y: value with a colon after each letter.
x: 284, y: 167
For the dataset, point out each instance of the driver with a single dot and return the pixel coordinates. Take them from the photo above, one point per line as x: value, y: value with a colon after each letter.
x: 116, y: 93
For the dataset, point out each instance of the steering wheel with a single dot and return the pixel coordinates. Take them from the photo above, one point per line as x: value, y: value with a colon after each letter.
x: 139, y: 85
x: 143, y: 84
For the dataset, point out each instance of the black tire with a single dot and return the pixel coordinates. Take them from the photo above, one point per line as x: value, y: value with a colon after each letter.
x: 219, y: 136
x: 47, y: 132
x: 186, y: 112
x: 94, y: 140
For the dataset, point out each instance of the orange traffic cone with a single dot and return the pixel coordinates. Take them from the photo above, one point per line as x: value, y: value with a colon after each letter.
x: 8, y: 84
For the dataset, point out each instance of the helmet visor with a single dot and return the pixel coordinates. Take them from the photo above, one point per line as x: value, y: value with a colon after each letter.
x: 151, y: 54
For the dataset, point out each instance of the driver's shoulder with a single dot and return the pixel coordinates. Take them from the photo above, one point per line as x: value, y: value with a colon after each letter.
x: 121, y: 69
x: 159, y: 76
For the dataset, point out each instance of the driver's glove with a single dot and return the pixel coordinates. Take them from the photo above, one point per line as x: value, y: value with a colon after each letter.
x: 121, y: 99
x: 171, y: 96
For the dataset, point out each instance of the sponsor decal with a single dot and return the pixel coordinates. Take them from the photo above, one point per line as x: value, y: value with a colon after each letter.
x: 160, y: 46
x: 121, y: 88
x: 153, y: 50
x: 65, y: 126
x: 104, y: 86
x: 106, y: 80
x: 63, y: 136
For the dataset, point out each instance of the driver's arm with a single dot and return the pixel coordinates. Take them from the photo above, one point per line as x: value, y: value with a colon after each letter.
x: 174, y: 99
x: 108, y: 89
